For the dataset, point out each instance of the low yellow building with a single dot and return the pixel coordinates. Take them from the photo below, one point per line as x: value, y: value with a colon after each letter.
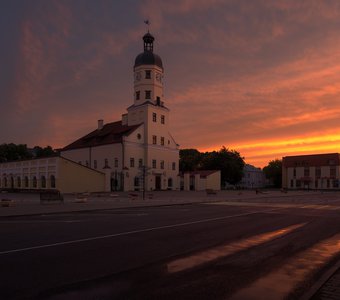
x: 201, y: 180
x: 50, y: 173
x: 317, y: 171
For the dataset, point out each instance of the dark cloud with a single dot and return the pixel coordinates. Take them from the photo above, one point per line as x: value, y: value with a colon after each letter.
x: 259, y: 76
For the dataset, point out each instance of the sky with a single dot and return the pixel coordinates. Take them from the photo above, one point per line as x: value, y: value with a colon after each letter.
x: 260, y: 77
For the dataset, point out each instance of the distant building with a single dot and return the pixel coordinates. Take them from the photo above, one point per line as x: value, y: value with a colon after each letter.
x: 201, y: 180
x: 317, y: 171
x: 139, y: 148
x: 50, y: 173
x: 252, y: 178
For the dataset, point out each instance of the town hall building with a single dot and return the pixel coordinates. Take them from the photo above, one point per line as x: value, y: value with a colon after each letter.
x: 138, y: 151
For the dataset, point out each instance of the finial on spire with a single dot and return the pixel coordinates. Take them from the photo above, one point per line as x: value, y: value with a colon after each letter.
x: 147, y: 22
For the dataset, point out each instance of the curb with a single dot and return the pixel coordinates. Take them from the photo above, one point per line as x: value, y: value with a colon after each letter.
x: 318, y: 285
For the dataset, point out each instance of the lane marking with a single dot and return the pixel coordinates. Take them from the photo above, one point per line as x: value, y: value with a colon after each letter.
x: 227, y: 250
x: 134, y: 232
x: 281, y: 282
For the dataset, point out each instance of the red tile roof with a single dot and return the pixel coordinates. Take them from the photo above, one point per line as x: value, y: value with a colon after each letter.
x: 313, y: 160
x: 111, y: 133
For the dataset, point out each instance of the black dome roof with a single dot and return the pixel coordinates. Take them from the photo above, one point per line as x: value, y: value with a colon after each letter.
x: 148, y: 58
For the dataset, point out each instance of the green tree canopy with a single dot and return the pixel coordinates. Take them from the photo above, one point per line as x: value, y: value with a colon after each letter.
x: 229, y: 162
x: 11, y: 152
x: 273, y: 172
x: 189, y: 160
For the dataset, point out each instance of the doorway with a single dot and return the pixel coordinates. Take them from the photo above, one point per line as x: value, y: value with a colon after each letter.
x: 158, y: 182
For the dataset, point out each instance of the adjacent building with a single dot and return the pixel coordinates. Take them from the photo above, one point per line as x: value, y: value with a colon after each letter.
x: 50, y: 173
x: 201, y: 180
x: 317, y: 171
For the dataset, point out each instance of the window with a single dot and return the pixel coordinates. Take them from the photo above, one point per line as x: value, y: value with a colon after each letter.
x: 306, y: 172
x: 136, y: 181
x: 316, y: 183
x: 116, y: 162
x: 318, y: 172
x: 154, y: 140
x: 137, y: 95
x: 162, y: 119
x: 154, y: 117
x: 174, y: 166
x: 298, y: 183
x: 18, y: 182
x: 291, y: 183
x: 294, y: 172
x: 140, y: 163
x: 147, y: 74
x: 52, y: 181
x: 5, y: 182
x: 26, y: 181
x: 139, y: 136
x: 95, y: 164
x: 35, y: 183
x: 332, y: 171
x: 162, y: 164
x: 147, y: 94
x: 43, y: 182
x: 162, y: 141
x: 132, y: 162
x: 328, y: 183
x: 154, y: 163
x: 106, y: 163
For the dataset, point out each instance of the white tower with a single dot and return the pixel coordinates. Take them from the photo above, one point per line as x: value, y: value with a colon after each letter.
x: 161, y: 154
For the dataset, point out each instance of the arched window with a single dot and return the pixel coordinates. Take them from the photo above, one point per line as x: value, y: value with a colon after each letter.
x: 35, y: 183
x: 43, y: 181
x: 52, y: 178
x: 26, y: 182
x: 18, y: 182
x: 170, y: 182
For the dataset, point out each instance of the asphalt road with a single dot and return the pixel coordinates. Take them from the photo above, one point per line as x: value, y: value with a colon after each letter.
x: 202, y: 251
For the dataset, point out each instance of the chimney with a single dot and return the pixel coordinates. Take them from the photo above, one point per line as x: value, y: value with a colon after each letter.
x: 100, y: 124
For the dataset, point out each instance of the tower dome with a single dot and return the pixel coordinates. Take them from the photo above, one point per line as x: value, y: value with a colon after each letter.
x: 148, y: 57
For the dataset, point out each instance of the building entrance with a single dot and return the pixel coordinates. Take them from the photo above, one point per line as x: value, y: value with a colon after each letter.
x: 158, y: 182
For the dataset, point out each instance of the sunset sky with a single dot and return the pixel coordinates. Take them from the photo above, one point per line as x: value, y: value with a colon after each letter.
x: 258, y: 76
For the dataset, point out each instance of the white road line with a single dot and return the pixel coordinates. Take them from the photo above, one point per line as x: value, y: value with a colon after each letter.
x: 132, y: 232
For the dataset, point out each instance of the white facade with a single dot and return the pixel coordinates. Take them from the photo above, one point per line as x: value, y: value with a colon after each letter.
x: 252, y: 177
x: 50, y: 173
x: 317, y: 171
x: 140, y: 146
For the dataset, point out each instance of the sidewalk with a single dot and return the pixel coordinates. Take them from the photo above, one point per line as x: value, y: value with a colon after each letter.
x: 25, y: 204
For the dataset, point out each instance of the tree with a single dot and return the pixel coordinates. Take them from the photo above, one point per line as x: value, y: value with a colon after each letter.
x: 229, y: 162
x: 11, y: 152
x: 43, y: 152
x: 189, y: 160
x: 273, y: 172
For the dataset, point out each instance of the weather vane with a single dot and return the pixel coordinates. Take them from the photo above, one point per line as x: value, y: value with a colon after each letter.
x: 147, y: 22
